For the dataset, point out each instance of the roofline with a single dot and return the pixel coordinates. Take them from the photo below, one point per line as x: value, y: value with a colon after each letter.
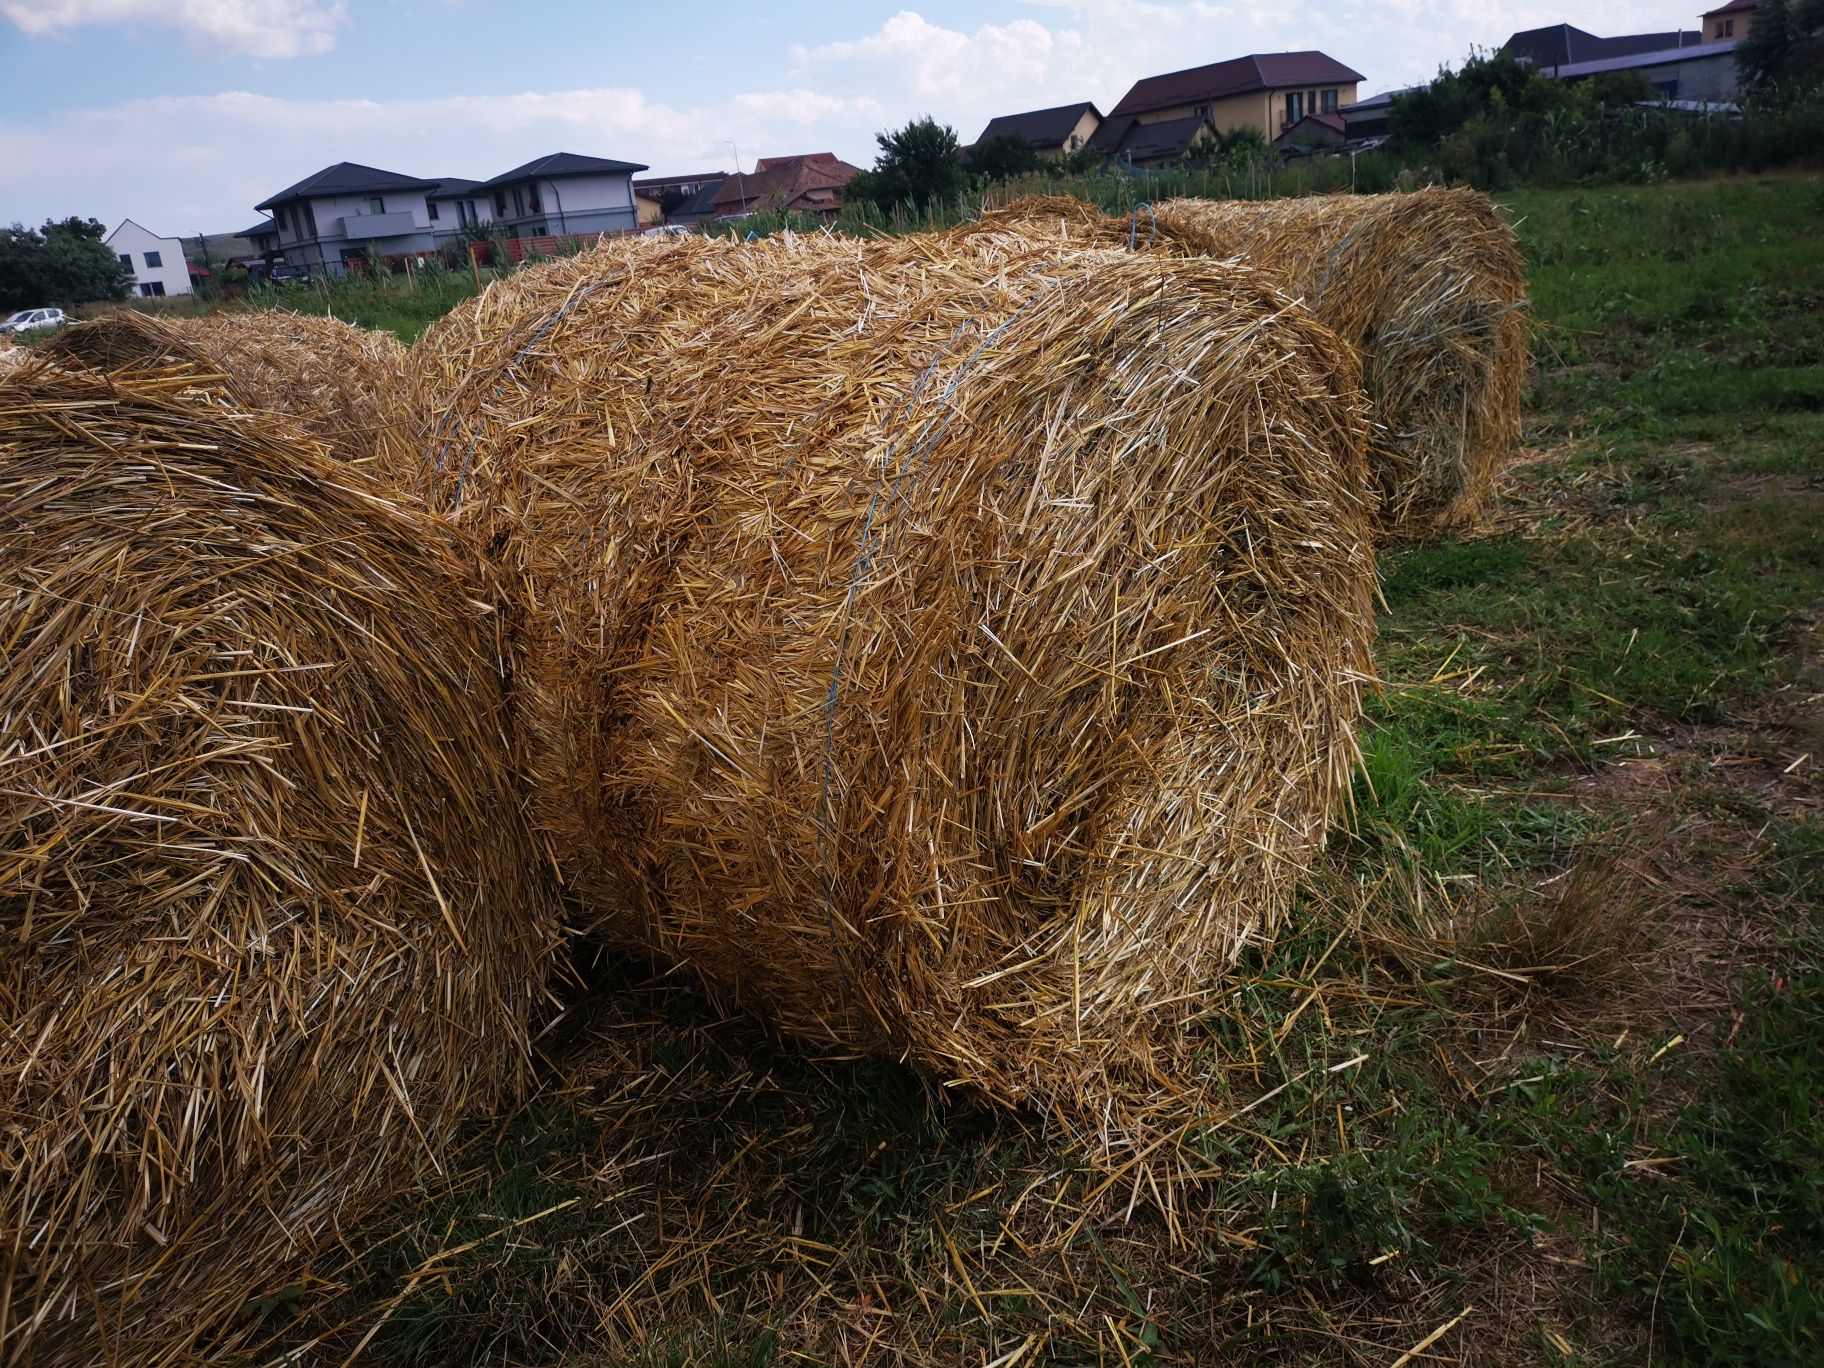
x: 519, y: 173
x: 142, y: 228
x: 1259, y: 82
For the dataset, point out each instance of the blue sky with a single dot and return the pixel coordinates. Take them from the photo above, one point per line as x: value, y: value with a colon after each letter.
x: 184, y: 114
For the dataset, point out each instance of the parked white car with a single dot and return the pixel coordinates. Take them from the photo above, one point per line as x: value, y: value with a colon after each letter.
x: 28, y: 319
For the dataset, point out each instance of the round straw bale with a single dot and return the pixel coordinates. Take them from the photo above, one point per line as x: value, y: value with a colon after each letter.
x: 952, y: 657
x: 1428, y: 286
x: 271, y: 912
x: 332, y: 381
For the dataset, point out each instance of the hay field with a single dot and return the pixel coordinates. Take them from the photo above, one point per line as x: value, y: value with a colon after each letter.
x: 1531, y: 1078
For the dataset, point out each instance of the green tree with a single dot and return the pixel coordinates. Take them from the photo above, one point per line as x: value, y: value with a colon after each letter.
x: 1003, y: 157
x: 63, y: 263
x: 1243, y: 145
x: 1761, y: 57
x: 1494, y: 84
x: 920, y: 165
x: 1085, y: 161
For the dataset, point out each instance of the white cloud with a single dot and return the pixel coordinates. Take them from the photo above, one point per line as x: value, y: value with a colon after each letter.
x: 221, y: 154
x: 225, y: 28
x: 203, y: 180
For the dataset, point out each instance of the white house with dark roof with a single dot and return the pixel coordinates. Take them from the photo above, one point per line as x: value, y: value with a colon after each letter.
x: 157, y: 263
x: 564, y: 193
x: 348, y: 211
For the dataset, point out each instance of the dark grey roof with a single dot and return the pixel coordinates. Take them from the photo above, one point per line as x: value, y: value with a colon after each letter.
x: 1125, y: 136
x: 1560, y: 44
x: 1040, y: 127
x: 562, y: 164
x: 346, y: 178
x: 700, y: 205
x: 260, y: 229
x: 1237, y: 76
x: 453, y: 187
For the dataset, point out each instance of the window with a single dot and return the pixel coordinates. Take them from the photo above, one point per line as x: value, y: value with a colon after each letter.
x: 532, y: 200
x: 473, y: 216
x: 1328, y: 105
x: 376, y: 205
x: 430, y: 209
x: 1728, y: 28
x: 126, y: 260
x: 500, y: 204
x: 1295, y: 106
x: 519, y: 203
x: 152, y: 289
x: 154, y: 260
x: 310, y: 217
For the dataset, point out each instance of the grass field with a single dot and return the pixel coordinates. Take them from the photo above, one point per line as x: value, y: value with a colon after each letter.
x: 1537, y: 1075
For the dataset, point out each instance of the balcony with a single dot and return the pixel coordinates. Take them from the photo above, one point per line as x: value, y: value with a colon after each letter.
x: 377, y: 227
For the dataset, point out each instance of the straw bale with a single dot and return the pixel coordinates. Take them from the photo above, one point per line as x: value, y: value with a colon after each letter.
x: 1428, y: 286
x: 946, y: 657
x: 271, y: 911
x: 332, y: 381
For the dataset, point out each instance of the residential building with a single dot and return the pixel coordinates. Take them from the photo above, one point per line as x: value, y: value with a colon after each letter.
x: 700, y: 204
x: 1268, y: 91
x: 807, y: 184
x: 1369, y: 118
x: 455, y: 206
x: 649, y: 208
x: 1730, y: 21
x: 563, y: 194
x: 1052, y: 133
x: 1125, y: 138
x: 1313, y: 133
x: 264, y: 236
x: 347, y: 211
x: 1703, y: 72
x: 670, y: 191
x: 157, y: 263
x: 1565, y: 45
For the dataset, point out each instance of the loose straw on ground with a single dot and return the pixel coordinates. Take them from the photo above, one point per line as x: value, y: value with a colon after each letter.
x: 947, y: 657
x: 270, y: 912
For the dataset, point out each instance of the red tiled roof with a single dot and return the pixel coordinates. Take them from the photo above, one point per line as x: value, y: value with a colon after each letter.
x: 780, y: 182
x: 1239, y: 76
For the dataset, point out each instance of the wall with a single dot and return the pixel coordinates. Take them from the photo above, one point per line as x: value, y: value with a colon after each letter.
x: 1263, y: 109
x: 1079, y: 136
x: 172, y: 271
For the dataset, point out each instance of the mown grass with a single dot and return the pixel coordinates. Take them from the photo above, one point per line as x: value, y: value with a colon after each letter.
x: 1538, y: 1061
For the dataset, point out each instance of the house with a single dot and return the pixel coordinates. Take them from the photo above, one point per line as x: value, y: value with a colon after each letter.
x: 1313, y: 133
x: 564, y: 193
x: 1370, y: 118
x: 807, y: 184
x: 1052, y: 133
x: 1701, y: 71
x: 1127, y: 139
x: 649, y: 208
x: 1268, y: 91
x: 1729, y: 21
x: 454, y: 206
x: 264, y: 236
x: 347, y: 211
x: 1564, y: 45
x: 157, y: 263
x: 671, y: 191
x: 700, y: 204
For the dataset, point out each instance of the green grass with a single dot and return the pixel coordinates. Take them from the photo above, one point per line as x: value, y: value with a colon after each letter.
x: 1542, y: 1041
